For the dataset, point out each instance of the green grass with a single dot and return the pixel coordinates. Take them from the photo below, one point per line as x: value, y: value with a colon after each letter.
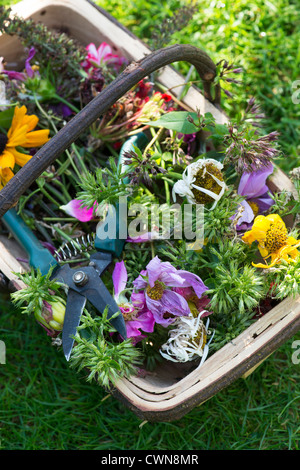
x: 44, y: 404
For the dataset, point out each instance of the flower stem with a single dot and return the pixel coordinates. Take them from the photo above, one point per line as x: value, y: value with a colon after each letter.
x: 71, y: 106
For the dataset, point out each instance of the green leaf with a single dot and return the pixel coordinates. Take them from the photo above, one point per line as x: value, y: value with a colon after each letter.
x: 6, y: 118
x: 177, y: 121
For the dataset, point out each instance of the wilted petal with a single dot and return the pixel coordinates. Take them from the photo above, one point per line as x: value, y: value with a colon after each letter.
x: 75, y: 209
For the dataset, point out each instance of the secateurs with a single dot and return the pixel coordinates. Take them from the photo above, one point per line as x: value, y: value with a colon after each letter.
x: 84, y: 283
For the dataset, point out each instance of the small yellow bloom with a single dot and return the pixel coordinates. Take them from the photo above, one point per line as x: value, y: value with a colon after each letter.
x: 273, y: 241
x: 20, y: 134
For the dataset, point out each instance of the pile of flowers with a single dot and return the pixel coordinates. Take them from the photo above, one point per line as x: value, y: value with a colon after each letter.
x: 211, y: 253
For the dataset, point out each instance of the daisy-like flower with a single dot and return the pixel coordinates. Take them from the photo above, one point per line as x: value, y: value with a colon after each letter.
x: 273, y: 241
x: 156, y: 286
x: 20, y: 134
x: 137, y: 317
x: 187, y: 340
x: 202, y: 182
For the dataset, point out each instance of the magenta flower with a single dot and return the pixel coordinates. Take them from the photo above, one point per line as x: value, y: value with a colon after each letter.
x: 137, y: 317
x: 96, y: 58
x: 74, y: 208
x: 29, y: 72
x: 157, y: 284
x: 253, y: 187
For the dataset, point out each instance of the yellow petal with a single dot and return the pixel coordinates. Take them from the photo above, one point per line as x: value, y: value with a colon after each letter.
x: 36, y: 138
x: 18, y: 137
x: 20, y: 158
x: 6, y: 174
x: 275, y: 219
x: 17, y: 120
x: 7, y: 159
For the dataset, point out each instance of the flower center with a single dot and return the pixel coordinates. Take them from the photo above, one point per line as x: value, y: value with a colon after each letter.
x: 3, y: 142
x: 201, y: 337
x: 276, y: 237
x: 204, y: 179
x: 254, y: 207
x: 156, y: 291
x: 128, y: 311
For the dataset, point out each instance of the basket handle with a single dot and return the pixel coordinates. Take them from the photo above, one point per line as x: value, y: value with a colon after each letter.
x: 133, y: 73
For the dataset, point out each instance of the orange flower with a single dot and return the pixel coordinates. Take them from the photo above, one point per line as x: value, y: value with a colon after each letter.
x: 20, y: 134
x: 273, y: 241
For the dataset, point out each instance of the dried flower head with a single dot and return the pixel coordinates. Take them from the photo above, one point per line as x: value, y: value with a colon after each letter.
x: 187, y: 341
x: 202, y: 182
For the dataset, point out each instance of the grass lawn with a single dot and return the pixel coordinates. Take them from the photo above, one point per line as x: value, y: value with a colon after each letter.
x: 44, y: 405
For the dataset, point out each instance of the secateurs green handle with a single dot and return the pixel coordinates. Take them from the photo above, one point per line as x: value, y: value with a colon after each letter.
x: 39, y: 256
x: 116, y: 245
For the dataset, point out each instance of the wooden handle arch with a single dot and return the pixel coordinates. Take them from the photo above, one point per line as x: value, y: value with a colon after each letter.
x: 135, y: 72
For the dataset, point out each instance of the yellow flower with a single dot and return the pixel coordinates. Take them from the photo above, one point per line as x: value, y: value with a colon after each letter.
x: 20, y: 134
x: 273, y: 241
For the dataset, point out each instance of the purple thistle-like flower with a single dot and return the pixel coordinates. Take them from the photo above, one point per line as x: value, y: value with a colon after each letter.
x: 158, y: 282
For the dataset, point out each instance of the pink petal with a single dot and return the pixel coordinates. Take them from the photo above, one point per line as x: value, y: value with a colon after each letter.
x: 75, y: 209
x: 119, y: 277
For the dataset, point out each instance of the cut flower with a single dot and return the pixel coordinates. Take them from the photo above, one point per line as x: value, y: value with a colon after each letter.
x: 137, y: 317
x: 253, y: 187
x: 187, y: 341
x: 202, y: 182
x: 273, y: 241
x: 157, y: 284
x: 20, y: 134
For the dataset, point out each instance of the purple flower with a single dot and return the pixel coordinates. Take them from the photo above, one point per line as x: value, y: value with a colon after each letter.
x: 21, y: 76
x: 137, y: 317
x: 253, y: 187
x: 74, y: 208
x: 29, y: 70
x: 157, y: 284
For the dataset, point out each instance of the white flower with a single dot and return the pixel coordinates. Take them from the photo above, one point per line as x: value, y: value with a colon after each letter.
x: 188, y: 340
x: 202, y: 182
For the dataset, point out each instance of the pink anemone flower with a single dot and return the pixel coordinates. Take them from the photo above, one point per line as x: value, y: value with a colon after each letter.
x: 157, y: 284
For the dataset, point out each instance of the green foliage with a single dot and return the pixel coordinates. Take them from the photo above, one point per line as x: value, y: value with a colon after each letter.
x: 234, y: 288
x: 177, y: 121
x: 285, y: 279
x: 217, y: 222
x: 105, y: 186
x: 39, y: 288
x: 105, y: 360
x: 46, y: 43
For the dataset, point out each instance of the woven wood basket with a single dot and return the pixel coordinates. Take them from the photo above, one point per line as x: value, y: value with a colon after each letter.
x: 171, y: 390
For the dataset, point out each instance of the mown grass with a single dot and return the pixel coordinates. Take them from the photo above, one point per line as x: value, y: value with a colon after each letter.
x: 47, y: 406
